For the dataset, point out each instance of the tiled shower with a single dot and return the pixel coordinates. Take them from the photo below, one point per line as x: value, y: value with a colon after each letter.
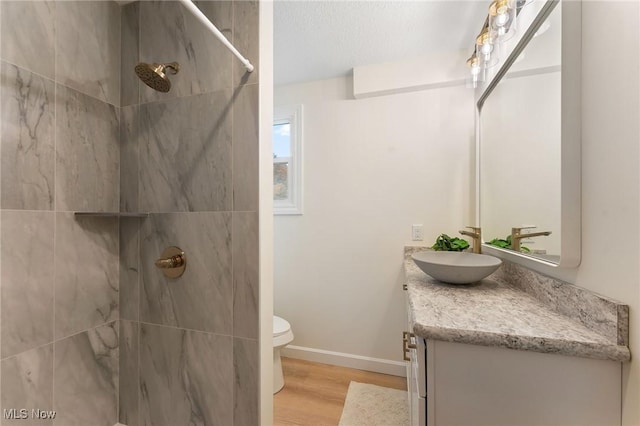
x: 89, y: 326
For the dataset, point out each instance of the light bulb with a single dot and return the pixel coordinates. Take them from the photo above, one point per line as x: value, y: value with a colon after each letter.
x: 476, y: 73
x: 485, y: 42
x: 502, y: 18
x: 474, y: 65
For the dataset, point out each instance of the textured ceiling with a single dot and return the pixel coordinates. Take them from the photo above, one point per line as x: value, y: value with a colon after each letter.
x: 324, y: 39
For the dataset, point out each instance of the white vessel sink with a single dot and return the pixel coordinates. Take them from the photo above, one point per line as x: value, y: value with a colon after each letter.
x: 456, y: 267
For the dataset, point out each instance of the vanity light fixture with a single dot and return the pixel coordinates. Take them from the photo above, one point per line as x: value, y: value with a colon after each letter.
x: 474, y: 64
x: 499, y: 25
x: 486, y: 47
x: 475, y: 70
x: 484, y: 56
x: 502, y: 19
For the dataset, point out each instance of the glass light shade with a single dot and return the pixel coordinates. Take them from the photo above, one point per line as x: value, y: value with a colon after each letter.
x: 474, y: 65
x: 486, y: 49
x: 473, y: 81
x: 502, y: 19
x: 484, y: 43
x: 476, y: 72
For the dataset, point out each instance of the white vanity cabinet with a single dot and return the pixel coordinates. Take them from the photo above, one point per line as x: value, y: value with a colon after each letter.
x: 515, y: 349
x: 454, y: 384
x: 481, y: 385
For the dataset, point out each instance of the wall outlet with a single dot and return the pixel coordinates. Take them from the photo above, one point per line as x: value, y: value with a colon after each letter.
x: 417, y: 234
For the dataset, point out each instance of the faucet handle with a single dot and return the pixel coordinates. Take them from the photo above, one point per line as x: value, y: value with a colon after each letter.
x: 518, y: 229
x: 474, y: 228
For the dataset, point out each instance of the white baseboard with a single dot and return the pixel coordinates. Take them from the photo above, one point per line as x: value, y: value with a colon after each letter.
x: 385, y: 366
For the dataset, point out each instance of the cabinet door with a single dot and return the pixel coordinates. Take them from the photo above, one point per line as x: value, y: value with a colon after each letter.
x: 480, y: 385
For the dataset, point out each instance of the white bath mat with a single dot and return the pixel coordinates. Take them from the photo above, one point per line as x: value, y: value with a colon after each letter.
x: 371, y: 405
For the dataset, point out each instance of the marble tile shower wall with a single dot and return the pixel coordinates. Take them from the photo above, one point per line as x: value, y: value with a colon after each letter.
x: 78, y: 133
x: 189, y: 346
x: 59, y: 153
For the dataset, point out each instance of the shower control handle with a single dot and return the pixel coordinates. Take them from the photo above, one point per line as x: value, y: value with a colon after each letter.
x: 172, y: 262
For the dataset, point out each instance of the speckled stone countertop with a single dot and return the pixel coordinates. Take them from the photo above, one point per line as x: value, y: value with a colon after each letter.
x: 495, y: 313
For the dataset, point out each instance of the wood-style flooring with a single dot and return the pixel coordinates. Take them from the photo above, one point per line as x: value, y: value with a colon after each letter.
x: 314, y: 394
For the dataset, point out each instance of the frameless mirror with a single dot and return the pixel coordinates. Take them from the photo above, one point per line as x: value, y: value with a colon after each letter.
x: 529, y: 165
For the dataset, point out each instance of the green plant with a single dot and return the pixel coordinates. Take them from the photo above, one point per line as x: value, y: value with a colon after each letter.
x: 447, y: 243
x: 506, y: 243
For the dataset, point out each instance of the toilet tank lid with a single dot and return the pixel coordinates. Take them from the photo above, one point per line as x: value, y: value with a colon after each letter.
x: 280, y: 326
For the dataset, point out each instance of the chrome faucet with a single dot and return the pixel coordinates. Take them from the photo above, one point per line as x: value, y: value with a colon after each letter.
x: 475, y: 234
x: 517, y: 235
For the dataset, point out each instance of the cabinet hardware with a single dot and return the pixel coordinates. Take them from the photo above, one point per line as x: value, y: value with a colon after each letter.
x: 404, y: 351
x: 407, y: 345
x: 407, y: 335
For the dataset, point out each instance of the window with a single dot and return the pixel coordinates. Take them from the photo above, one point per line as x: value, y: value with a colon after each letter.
x: 287, y: 160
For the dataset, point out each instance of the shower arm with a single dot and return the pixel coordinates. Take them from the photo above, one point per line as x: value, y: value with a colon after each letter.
x: 173, y: 66
x: 203, y: 18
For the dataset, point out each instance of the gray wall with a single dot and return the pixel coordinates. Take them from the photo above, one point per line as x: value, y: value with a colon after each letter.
x: 79, y: 135
x: 189, y: 351
x: 60, y: 115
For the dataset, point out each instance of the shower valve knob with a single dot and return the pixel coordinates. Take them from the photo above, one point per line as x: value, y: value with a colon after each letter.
x: 172, y: 262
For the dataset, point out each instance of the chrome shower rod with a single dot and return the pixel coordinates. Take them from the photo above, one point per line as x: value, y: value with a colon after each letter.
x: 203, y: 18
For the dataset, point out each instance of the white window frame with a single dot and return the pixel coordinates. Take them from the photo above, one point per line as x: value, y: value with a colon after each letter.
x: 291, y: 114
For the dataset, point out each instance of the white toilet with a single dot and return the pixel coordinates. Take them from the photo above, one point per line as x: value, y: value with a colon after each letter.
x: 282, y: 336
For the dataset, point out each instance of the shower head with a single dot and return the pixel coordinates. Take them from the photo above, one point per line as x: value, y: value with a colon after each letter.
x: 153, y: 75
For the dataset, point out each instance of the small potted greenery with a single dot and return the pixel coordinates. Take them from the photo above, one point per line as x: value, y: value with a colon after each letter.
x: 506, y: 244
x: 447, y: 243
